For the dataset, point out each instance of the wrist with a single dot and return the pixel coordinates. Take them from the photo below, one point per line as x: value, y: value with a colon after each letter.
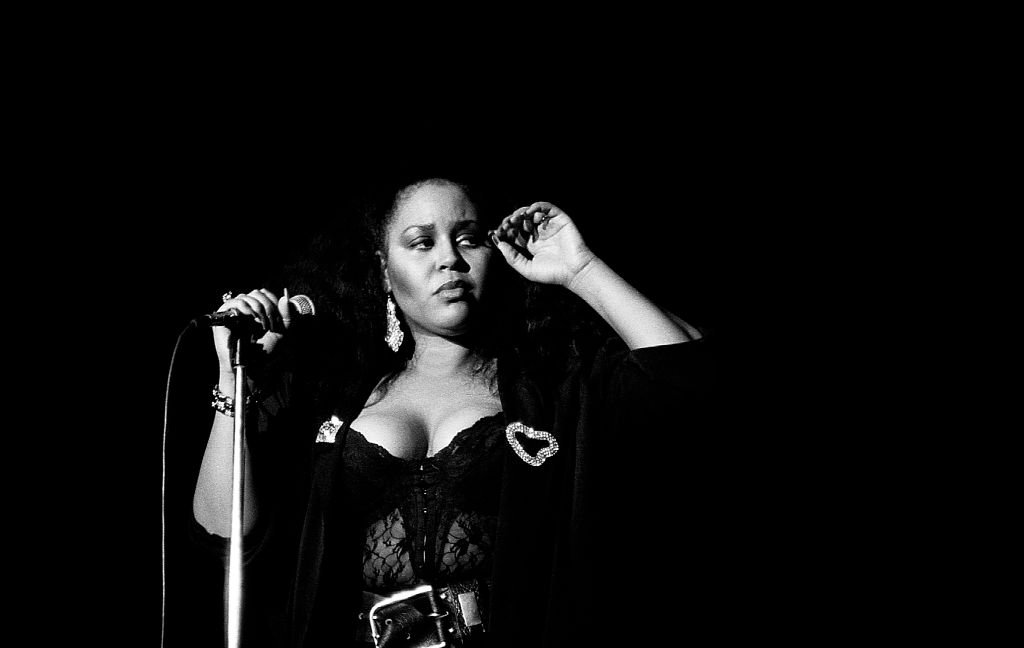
x: 580, y: 279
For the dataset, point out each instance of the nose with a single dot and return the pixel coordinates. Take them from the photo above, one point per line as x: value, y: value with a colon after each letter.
x: 448, y: 257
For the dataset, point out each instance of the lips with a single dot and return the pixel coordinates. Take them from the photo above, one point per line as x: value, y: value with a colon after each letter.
x: 453, y: 285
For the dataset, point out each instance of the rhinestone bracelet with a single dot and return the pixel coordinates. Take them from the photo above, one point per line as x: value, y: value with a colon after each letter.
x: 226, y: 404
x: 223, y: 404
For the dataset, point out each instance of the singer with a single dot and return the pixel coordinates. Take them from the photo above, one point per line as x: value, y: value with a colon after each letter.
x: 439, y: 453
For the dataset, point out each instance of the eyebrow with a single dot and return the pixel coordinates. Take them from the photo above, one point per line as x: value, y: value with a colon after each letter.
x: 430, y: 227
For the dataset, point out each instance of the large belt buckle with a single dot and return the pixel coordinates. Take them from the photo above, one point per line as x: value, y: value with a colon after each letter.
x: 463, y: 598
x: 429, y: 632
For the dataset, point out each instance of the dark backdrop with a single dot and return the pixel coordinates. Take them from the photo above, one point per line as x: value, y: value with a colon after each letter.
x: 191, y: 208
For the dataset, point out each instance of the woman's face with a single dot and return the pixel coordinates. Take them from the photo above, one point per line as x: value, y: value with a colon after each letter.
x: 436, y: 260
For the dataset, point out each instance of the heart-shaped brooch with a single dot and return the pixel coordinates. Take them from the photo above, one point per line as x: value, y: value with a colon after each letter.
x: 328, y: 430
x: 530, y: 433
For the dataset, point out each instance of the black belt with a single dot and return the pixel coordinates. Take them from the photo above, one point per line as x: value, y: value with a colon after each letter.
x: 451, y: 614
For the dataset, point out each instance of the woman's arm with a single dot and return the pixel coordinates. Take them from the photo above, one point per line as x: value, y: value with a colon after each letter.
x: 543, y: 244
x: 211, y: 502
x: 637, y: 320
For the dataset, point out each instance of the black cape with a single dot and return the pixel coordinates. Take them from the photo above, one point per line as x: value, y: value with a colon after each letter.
x: 617, y: 538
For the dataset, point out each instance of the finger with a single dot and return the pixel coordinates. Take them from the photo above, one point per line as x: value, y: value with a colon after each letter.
x: 273, y: 309
x: 539, y: 206
x: 514, y: 258
x: 506, y: 222
x: 228, y: 302
x: 510, y: 227
x: 529, y: 227
x: 285, y: 306
x: 240, y: 306
x: 519, y: 230
x: 504, y: 230
x: 247, y: 306
x: 267, y: 308
x: 514, y: 230
x: 256, y: 309
x: 539, y: 220
x: 545, y: 215
x: 507, y: 231
x: 542, y: 216
x: 521, y: 238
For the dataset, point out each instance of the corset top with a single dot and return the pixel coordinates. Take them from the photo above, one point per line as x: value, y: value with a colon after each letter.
x: 429, y: 519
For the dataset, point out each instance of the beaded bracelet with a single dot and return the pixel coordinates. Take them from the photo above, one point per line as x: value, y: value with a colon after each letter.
x: 223, y: 404
x: 226, y: 404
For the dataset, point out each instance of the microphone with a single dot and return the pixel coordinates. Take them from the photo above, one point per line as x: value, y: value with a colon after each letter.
x: 302, y: 308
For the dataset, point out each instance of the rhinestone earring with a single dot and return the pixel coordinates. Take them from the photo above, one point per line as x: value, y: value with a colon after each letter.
x: 394, y: 335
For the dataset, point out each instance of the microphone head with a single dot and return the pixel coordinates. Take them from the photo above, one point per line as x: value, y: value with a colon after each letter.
x: 303, y: 305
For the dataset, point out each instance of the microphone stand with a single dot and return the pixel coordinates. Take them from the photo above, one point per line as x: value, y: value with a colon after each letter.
x: 234, y: 567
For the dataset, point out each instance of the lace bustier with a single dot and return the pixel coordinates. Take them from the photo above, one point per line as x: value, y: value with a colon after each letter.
x: 432, y: 519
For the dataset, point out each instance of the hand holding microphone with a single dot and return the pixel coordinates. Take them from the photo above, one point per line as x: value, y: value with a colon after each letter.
x: 260, y: 308
x: 239, y: 315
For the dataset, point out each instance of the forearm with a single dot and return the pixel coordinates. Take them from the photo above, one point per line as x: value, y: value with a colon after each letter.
x: 211, y: 503
x: 638, y: 321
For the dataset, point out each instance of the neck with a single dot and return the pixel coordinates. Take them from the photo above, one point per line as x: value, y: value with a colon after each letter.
x: 439, y: 356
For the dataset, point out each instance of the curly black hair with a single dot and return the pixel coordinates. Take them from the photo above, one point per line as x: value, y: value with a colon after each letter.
x: 536, y: 329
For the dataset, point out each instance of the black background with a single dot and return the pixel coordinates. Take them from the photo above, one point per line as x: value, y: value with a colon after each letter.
x: 177, y: 202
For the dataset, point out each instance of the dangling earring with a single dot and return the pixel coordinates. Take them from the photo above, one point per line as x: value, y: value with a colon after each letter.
x: 394, y: 335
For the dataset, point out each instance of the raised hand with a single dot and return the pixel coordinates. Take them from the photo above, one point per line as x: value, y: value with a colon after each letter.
x: 542, y: 244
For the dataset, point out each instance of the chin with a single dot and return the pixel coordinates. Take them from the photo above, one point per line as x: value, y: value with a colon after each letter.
x: 456, y: 322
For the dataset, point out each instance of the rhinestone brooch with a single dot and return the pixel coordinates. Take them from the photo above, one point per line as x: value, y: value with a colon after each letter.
x: 329, y: 430
x: 530, y: 433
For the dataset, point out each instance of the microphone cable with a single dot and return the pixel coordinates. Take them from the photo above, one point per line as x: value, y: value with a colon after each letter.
x: 163, y: 490
x: 304, y: 307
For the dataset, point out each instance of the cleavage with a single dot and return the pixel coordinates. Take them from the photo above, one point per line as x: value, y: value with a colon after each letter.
x: 407, y: 436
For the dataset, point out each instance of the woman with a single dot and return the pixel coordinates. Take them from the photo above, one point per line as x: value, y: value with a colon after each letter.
x: 457, y: 457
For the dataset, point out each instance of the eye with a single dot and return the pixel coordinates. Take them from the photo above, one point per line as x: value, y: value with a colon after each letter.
x: 470, y: 240
x: 423, y: 243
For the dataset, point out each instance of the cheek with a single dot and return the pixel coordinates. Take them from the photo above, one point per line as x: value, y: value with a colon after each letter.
x: 406, y: 279
x: 403, y: 288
